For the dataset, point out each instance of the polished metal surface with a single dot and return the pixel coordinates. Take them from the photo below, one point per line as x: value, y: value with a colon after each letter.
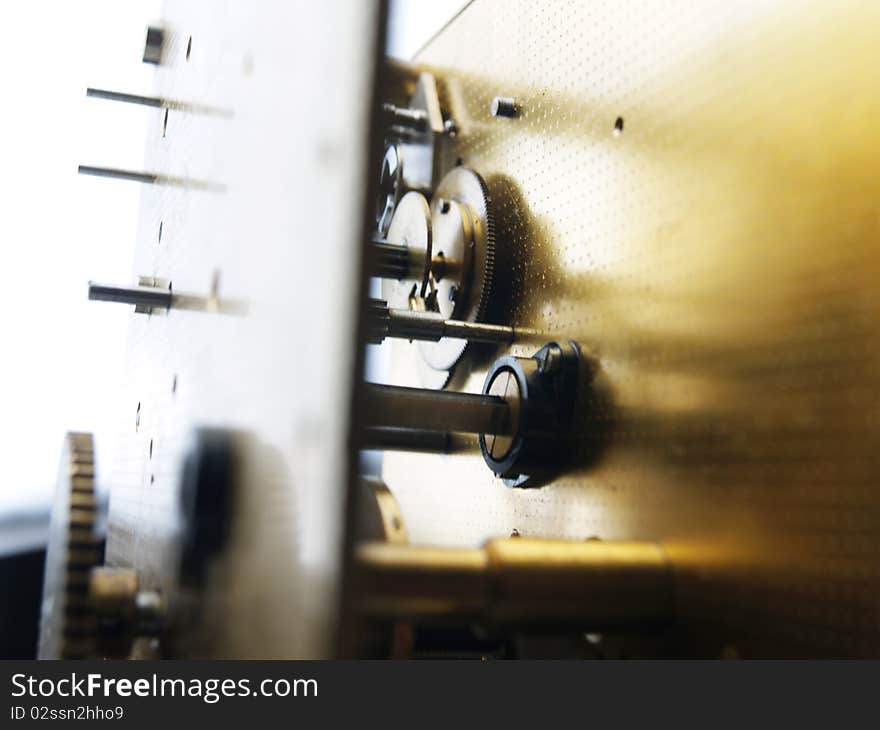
x: 691, y: 194
x: 518, y: 581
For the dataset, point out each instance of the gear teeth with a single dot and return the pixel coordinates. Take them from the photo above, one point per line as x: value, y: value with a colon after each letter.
x: 489, y: 263
x: 378, y: 321
x: 81, y: 551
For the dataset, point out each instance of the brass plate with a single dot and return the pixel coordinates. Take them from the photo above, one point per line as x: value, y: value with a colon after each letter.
x: 692, y: 193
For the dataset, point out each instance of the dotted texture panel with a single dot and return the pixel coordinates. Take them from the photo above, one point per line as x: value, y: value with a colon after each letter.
x: 690, y: 190
x: 258, y: 236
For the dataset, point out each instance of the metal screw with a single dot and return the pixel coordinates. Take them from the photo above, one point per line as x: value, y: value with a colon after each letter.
x: 415, y: 119
x: 450, y: 127
x: 503, y: 106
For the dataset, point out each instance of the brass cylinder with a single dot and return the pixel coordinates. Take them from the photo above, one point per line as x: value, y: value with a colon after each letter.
x: 518, y: 581
x: 113, y: 591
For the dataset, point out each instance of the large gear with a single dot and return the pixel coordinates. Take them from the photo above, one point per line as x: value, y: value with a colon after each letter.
x: 410, y: 227
x: 465, y: 189
x: 68, y: 625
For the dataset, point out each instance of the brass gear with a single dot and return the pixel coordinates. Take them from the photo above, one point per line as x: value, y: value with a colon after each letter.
x: 465, y: 187
x: 68, y: 625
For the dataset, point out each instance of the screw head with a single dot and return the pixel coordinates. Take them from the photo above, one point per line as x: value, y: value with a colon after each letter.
x: 503, y: 106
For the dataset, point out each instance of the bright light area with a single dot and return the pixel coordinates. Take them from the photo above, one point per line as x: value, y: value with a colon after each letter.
x: 412, y: 23
x: 63, y: 358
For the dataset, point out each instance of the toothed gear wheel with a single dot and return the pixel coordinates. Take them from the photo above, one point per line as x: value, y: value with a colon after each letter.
x: 466, y: 190
x: 67, y: 621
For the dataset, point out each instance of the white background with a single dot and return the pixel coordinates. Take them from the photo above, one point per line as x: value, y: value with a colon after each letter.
x: 62, y: 359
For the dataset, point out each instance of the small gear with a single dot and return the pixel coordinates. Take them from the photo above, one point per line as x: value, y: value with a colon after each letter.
x: 378, y: 321
x: 68, y: 625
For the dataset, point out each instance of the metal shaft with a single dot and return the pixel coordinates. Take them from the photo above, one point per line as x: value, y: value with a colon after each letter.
x: 427, y: 326
x: 142, y: 296
x: 153, y: 101
x: 143, y: 177
x: 432, y: 410
x: 592, y: 584
x: 388, y: 438
x: 420, y: 326
x: 415, y: 119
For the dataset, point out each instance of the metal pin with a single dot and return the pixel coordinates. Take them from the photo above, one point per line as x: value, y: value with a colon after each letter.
x: 143, y: 177
x: 154, y: 296
x: 151, y: 178
x: 414, y: 119
x: 140, y: 296
x: 431, y: 327
x: 153, y: 101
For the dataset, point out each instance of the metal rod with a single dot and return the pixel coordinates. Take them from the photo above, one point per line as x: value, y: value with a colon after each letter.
x: 140, y: 296
x: 433, y: 410
x: 431, y: 327
x: 153, y: 101
x: 388, y: 438
x: 422, y: 326
x: 415, y: 119
x: 143, y: 177
x: 593, y: 584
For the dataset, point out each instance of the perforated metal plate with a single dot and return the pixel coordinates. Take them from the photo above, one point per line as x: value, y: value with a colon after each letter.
x: 691, y: 190
x: 267, y: 348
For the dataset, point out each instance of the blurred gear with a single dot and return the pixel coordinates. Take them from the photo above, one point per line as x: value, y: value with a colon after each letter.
x: 68, y: 624
x: 390, y: 188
